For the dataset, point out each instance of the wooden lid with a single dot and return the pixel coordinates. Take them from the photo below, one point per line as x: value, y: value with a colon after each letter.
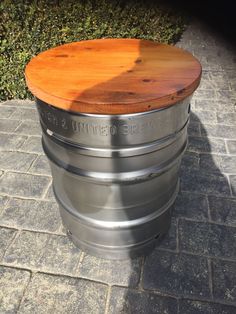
x: 113, y: 76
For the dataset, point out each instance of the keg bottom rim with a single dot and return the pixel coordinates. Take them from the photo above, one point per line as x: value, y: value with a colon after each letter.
x: 122, y: 253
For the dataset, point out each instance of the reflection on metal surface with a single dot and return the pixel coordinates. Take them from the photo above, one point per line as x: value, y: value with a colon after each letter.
x: 115, y: 177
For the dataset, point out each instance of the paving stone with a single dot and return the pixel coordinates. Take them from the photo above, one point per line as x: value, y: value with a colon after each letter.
x: 50, y: 195
x: 213, y: 63
x: 191, y: 206
x: 199, y: 307
x: 205, y: 145
x: 208, y: 85
x: 216, y: 81
x: 63, y: 230
x: 7, y: 125
x: 33, y: 145
x: 207, y: 239
x: 12, y: 286
x: 11, y: 141
x: 124, y: 300
x: 214, y: 105
x: 21, y: 184
x: 227, y: 64
x: 223, y: 210
x: 218, y: 163
x: 231, y: 76
x: 194, y: 129
x: 224, y: 278
x: 3, y: 201
x: 25, y: 114
x: 45, y: 252
x: 204, y: 117
x: 19, y: 103
x: 6, y: 236
x: 190, y: 160
x: 66, y: 259
x: 233, y: 85
x: 169, y: 241
x: 26, y: 249
x: 61, y: 295
x: 210, y: 163
x: 209, y: 63
x: 223, y: 96
x: 31, y: 215
x: 124, y: 272
x: 204, y: 79
x: 205, y: 76
x: 219, y: 130
x: 198, y: 182
x: 231, y: 145
x: 16, y: 161
x: 228, y: 164
x: 219, y: 85
x: 6, y: 112
x: 29, y: 127
x: 226, y: 118
x: 176, y: 274
x: 232, y: 180
x: 204, y: 85
x: 41, y: 166
x: 205, y: 94
x: 220, y: 77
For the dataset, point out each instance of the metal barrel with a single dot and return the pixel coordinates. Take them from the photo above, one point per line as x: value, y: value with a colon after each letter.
x: 115, y: 177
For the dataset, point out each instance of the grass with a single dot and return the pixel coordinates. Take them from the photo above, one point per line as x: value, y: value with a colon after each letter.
x: 29, y: 27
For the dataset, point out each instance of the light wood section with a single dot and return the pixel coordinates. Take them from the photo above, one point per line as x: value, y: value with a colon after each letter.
x: 113, y: 76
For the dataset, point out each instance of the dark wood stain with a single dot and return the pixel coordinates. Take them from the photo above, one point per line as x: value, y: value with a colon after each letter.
x: 138, y: 61
x: 181, y: 91
x: 61, y: 56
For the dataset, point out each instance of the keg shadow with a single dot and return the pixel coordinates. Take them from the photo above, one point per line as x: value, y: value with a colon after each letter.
x: 168, y: 269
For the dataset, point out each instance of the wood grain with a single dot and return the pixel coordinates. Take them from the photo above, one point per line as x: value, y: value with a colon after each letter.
x: 113, y: 76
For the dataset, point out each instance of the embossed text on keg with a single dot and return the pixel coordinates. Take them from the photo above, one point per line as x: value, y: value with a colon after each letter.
x: 80, y: 127
x: 48, y: 116
x: 93, y: 129
x: 107, y: 130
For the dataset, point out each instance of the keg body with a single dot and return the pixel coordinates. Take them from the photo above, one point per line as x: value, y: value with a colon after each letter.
x: 115, y: 177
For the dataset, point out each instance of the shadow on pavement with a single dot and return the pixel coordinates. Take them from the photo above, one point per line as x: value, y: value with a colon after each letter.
x: 181, y: 267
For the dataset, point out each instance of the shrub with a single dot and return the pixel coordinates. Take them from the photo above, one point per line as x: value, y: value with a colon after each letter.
x: 29, y: 27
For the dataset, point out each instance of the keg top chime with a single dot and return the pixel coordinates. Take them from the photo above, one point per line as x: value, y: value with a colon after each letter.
x: 113, y: 76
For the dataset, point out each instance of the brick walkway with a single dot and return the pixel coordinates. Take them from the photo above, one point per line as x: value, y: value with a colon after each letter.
x: 193, y: 271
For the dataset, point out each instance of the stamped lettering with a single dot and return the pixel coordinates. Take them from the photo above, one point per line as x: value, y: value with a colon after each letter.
x: 68, y: 124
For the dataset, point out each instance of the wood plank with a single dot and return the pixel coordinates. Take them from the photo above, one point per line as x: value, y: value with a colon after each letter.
x: 113, y: 76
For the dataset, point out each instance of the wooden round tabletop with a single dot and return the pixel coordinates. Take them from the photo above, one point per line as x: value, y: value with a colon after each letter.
x: 113, y: 76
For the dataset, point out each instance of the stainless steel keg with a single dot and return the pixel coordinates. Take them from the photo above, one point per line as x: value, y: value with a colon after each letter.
x: 114, y: 116
x: 115, y: 177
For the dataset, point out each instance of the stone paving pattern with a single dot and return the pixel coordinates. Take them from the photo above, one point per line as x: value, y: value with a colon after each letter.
x: 194, y: 268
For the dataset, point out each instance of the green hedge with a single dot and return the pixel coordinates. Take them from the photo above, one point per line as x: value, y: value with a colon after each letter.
x: 29, y: 27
